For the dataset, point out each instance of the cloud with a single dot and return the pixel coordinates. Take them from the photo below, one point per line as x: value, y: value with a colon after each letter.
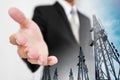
x: 112, y: 28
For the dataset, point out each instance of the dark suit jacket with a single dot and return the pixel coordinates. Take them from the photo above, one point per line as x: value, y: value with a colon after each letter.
x: 57, y: 32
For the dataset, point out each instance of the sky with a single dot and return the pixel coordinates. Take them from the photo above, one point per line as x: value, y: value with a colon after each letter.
x: 108, y: 13
x: 111, y: 20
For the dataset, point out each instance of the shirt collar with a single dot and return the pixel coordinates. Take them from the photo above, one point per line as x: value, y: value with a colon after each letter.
x: 67, y: 7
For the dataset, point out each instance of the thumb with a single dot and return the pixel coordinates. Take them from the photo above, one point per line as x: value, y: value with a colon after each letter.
x: 18, y: 16
x: 52, y: 60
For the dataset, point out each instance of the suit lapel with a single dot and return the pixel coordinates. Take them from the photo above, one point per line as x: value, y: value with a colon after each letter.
x: 63, y: 16
x: 82, y: 29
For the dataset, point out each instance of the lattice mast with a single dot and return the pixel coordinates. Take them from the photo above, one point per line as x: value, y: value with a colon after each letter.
x: 46, y: 73
x: 82, y: 67
x: 55, y: 77
x: 71, y: 75
x: 107, y: 63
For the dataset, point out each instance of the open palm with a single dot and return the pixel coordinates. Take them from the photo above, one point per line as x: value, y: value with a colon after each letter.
x: 29, y: 40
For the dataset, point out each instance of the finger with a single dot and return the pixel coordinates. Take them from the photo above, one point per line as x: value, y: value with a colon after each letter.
x: 52, y: 60
x: 20, y: 39
x: 17, y: 39
x: 18, y: 16
x: 12, y: 39
x: 21, y: 51
x: 32, y: 61
x: 42, y: 60
x: 31, y: 53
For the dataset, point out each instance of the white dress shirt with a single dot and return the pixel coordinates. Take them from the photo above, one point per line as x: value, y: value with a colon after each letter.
x: 72, y: 15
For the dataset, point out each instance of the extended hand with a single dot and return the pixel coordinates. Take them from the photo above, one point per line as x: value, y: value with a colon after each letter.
x: 29, y: 40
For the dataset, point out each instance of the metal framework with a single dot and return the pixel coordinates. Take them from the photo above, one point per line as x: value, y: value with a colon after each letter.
x: 46, y: 73
x: 107, y: 62
x: 82, y: 70
x: 55, y: 77
x: 82, y: 67
x: 71, y: 75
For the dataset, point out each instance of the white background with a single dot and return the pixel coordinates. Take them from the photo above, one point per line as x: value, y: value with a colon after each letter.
x: 11, y: 66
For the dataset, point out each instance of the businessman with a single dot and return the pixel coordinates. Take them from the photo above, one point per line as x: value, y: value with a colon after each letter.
x: 52, y: 37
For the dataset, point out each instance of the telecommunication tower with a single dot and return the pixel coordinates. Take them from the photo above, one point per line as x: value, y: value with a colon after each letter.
x: 107, y: 58
x: 82, y: 67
